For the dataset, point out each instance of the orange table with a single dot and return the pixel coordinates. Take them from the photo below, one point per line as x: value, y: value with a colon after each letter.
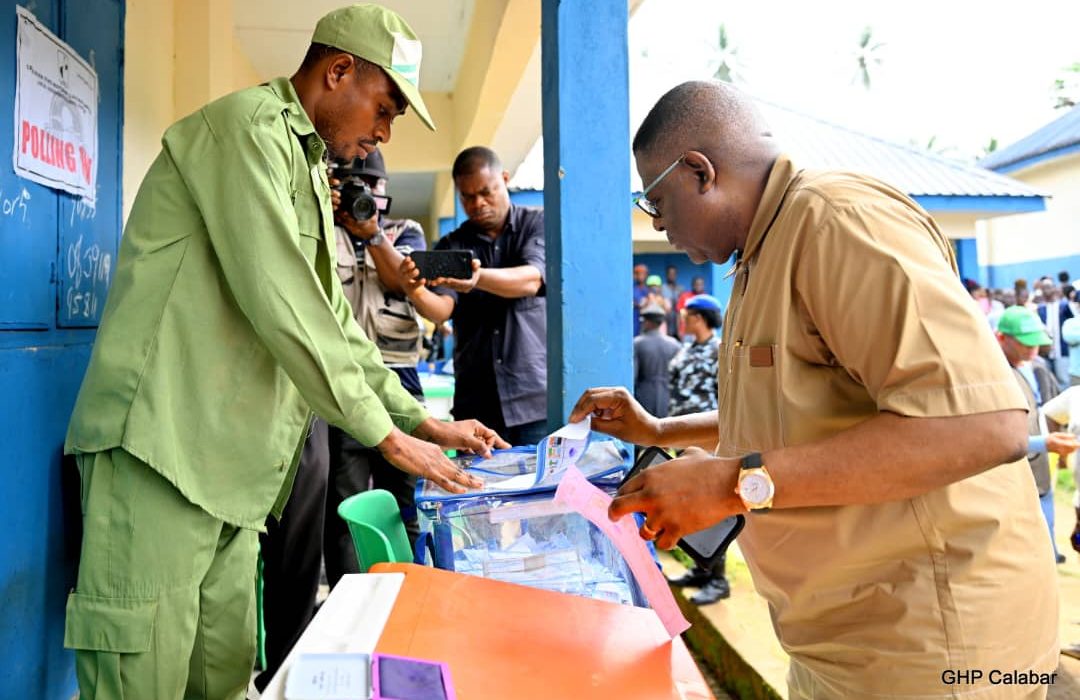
x: 509, y: 642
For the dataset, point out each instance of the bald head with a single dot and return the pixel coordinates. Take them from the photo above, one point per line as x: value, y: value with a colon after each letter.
x: 708, y: 116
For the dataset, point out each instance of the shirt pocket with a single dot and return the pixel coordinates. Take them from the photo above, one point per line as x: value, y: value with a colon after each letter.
x: 753, y: 399
x: 308, y: 222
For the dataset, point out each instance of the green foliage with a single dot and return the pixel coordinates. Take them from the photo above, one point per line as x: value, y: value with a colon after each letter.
x: 1066, y: 88
x: 727, y: 57
x: 867, y: 57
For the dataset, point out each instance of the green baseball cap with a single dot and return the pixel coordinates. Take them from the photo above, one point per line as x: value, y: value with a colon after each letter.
x: 653, y: 281
x: 1020, y: 323
x: 380, y: 36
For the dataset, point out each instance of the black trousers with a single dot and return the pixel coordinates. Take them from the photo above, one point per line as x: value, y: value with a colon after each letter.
x: 355, y: 468
x: 292, y: 555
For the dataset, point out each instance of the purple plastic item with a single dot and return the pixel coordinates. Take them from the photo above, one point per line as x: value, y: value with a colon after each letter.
x: 404, y: 678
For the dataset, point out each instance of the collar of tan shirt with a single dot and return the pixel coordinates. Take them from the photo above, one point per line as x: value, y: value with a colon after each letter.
x: 780, y: 178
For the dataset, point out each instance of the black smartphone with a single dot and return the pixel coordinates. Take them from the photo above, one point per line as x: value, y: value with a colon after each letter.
x: 704, y: 546
x: 433, y: 264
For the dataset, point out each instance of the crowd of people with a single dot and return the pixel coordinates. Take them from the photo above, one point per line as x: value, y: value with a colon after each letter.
x: 1040, y: 336
x: 877, y: 448
x: 676, y: 355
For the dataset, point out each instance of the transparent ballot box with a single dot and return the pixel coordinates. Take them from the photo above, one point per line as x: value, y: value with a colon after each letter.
x: 513, y: 531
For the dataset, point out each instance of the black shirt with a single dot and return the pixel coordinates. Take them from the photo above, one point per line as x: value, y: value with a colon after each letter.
x: 500, y: 351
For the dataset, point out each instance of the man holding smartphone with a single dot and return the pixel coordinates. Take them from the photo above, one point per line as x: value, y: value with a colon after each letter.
x: 878, y: 447
x: 499, y: 313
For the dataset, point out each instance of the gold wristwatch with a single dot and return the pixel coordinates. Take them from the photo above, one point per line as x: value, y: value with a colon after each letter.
x: 755, y: 487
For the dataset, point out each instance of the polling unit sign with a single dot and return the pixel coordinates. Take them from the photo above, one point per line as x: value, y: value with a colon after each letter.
x: 56, y: 110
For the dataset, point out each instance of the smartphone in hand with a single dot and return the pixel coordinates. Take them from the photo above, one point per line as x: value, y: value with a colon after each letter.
x: 433, y: 264
x: 704, y: 546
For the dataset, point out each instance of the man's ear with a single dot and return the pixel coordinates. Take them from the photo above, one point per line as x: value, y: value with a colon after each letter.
x: 703, y: 169
x: 338, y: 67
x: 506, y: 177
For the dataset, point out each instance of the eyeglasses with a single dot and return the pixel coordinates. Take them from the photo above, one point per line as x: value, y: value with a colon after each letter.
x: 643, y: 202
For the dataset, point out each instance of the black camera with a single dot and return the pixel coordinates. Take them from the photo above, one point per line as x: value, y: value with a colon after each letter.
x: 356, y: 196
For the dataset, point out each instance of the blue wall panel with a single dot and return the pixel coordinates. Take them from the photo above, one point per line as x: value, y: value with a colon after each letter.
x: 585, y: 88
x: 44, y: 348
x: 89, y: 235
x: 36, y: 565
x: 1003, y: 276
x: 27, y: 209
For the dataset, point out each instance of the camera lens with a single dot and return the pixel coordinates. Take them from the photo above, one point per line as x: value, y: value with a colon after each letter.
x: 363, y: 207
x: 356, y: 198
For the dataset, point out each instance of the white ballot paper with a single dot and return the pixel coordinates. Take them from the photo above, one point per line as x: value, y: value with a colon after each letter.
x: 554, y: 455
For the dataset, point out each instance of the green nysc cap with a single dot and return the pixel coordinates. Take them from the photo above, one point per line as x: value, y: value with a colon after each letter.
x: 380, y: 36
x: 1020, y: 323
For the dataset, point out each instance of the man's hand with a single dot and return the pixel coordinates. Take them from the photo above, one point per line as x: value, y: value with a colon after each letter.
x: 410, y: 275
x: 427, y: 460
x: 459, y: 285
x: 615, y: 412
x: 358, y: 229
x: 469, y: 435
x: 680, y: 497
x: 1062, y: 444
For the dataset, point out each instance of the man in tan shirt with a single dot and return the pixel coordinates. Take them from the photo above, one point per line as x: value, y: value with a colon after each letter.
x: 866, y: 419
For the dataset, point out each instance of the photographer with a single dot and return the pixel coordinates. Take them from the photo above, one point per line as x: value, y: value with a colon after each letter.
x: 369, y: 252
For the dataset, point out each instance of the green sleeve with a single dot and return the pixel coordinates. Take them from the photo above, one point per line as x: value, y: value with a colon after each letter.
x: 240, y: 180
x: 405, y: 411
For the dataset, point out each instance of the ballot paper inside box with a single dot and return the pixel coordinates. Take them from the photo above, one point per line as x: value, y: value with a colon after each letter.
x: 513, y: 531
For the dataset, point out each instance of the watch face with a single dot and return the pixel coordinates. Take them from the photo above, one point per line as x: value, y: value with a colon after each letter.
x: 755, y: 488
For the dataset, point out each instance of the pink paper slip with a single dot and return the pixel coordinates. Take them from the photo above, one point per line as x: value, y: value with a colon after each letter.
x: 576, y: 492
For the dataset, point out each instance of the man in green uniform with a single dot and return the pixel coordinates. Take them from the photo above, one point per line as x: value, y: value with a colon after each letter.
x: 224, y: 329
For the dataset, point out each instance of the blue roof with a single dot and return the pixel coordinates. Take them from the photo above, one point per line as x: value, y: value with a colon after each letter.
x: 937, y: 182
x: 1057, y: 138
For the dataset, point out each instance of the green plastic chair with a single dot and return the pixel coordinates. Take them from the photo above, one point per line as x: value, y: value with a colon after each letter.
x: 377, y: 531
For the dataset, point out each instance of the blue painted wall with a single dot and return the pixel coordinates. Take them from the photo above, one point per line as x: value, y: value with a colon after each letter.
x: 52, y: 288
x: 967, y: 260
x: 1003, y: 276
x: 585, y: 89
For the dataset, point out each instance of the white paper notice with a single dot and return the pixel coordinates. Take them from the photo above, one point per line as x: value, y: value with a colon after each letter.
x: 56, y: 111
x: 576, y: 492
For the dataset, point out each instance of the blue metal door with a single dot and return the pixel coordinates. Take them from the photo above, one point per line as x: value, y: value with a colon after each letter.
x: 56, y: 265
x: 27, y: 209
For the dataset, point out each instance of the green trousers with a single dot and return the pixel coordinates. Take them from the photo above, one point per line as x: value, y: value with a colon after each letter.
x: 164, y: 607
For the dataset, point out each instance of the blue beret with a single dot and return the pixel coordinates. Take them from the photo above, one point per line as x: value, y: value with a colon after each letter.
x: 703, y: 301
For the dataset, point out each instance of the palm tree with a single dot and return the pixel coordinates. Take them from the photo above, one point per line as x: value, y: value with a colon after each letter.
x: 1067, y: 87
x: 867, y: 57
x: 727, y: 57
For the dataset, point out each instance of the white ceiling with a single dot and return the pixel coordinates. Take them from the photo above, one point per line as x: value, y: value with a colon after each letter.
x: 275, y: 34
